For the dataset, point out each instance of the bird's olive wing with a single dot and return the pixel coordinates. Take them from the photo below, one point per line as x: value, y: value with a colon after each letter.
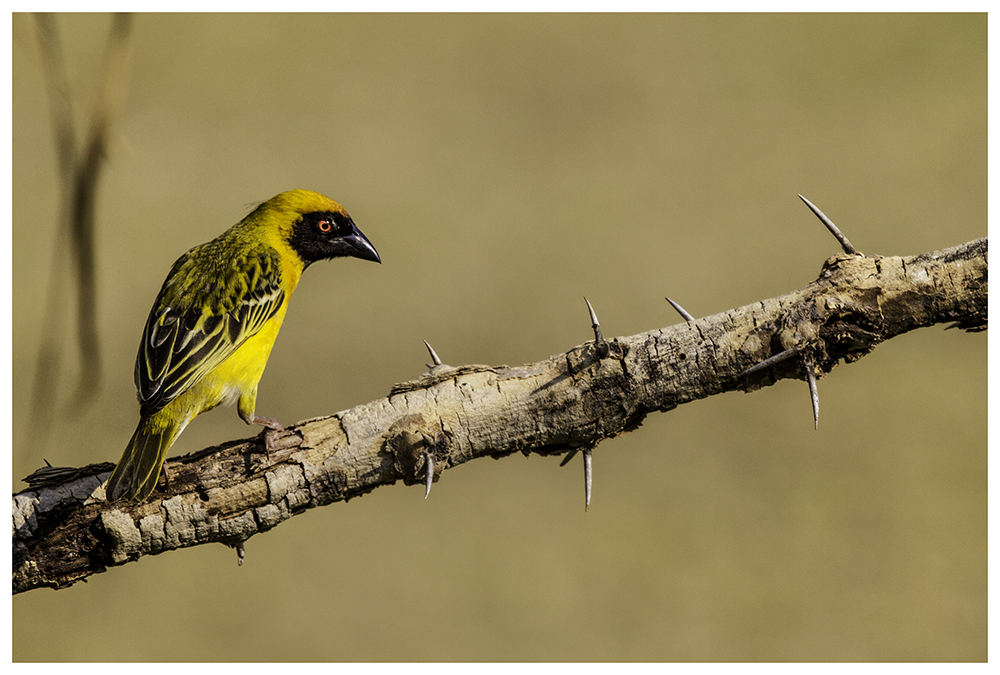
x: 198, y: 320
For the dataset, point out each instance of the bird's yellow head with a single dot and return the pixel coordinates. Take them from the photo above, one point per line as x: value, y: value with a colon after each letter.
x: 316, y: 227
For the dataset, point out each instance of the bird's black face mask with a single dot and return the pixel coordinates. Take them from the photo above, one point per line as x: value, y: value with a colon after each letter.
x: 329, y: 234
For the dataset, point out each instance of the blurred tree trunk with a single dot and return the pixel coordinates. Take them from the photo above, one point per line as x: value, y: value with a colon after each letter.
x: 64, y: 531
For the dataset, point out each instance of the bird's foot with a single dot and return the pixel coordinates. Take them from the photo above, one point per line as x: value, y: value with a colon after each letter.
x: 272, y: 429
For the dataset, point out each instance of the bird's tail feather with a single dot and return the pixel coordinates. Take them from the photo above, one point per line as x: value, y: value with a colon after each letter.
x: 136, y: 474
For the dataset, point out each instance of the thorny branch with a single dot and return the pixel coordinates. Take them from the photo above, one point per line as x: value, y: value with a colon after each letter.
x: 64, y: 531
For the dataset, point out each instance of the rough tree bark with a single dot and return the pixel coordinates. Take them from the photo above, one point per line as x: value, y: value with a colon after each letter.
x: 64, y: 531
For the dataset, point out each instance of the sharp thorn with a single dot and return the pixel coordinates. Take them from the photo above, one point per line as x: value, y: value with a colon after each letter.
x: 241, y: 553
x: 680, y: 310
x: 569, y: 455
x: 429, y: 470
x: 593, y: 320
x: 777, y: 358
x: 588, y: 477
x: 602, y: 346
x: 834, y: 230
x: 813, y: 389
x: 434, y: 356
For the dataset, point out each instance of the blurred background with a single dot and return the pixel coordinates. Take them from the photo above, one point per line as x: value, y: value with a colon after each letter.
x: 505, y: 166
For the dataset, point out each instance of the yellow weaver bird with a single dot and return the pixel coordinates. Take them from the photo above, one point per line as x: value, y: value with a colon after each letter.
x: 213, y: 324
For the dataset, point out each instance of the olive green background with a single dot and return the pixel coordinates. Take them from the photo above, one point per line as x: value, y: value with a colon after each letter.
x: 506, y: 166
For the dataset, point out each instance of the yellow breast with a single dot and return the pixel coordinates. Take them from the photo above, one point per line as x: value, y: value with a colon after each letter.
x: 235, y: 376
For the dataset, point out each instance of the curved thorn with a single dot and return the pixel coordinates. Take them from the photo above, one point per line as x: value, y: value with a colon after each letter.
x: 587, y: 477
x: 834, y: 230
x: 777, y: 358
x: 429, y: 470
x: 680, y: 310
x: 813, y: 389
x: 434, y: 356
x: 593, y: 320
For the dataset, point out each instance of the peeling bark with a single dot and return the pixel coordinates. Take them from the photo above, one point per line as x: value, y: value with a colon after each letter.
x: 65, y: 531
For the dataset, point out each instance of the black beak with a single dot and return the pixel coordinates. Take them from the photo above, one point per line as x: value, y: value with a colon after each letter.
x: 358, y: 246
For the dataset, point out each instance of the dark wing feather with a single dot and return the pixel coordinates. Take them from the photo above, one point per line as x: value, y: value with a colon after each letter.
x: 208, y: 306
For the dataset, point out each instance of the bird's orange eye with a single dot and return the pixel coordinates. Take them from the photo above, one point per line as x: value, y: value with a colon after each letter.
x: 324, y: 225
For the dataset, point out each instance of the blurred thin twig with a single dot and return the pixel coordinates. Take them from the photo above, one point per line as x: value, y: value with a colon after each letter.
x: 78, y: 175
x: 84, y: 197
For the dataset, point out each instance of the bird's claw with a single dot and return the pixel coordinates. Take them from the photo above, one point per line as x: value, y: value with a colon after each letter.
x: 272, y: 428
